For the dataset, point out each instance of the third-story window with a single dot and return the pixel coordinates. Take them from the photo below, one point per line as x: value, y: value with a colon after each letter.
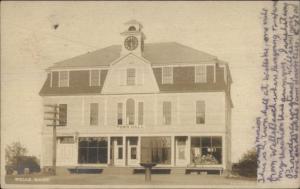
x: 120, y: 113
x: 63, y: 79
x: 95, y: 78
x: 131, y: 76
x: 167, y: 115
x: 62, y: 115
x: 94, y: 109
x: 200, y: 74
x: 141, y: 113
x: 130, y: 112
x: 200, y: 112
x: 167, y: 75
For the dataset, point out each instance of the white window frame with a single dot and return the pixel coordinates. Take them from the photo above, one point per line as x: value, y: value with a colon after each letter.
x: 97, y: 113
x: 198, y: 78
x: 90, y: 78
x: 164, y: 120
x: 68, y: 79
x: 135, y: 75
x: 163, y: 78
x: 204, y: 112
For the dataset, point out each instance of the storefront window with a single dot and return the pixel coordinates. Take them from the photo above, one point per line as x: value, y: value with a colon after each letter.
x: 156, y: 150
x: 206, y: 150
x: 92, y: 150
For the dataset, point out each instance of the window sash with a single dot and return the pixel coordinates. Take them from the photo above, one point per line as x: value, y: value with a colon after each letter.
x: 120, y: 114
x: 140, y: 113
x: 63, y: 78
x: 167, y: 75
x: 131, y: 75
x: 200, y: 112
x: 94, y: 110
x: 63, y: 114
x: 95, y: 77
x: 200, y: 74
x: 130, y: 111
x: 167, y: 115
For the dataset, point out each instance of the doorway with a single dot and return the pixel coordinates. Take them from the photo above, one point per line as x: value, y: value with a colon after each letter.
x: 132, y: 151
x: 181, y: 151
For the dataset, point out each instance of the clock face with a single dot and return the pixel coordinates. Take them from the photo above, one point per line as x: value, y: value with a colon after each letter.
x: 131, y: 43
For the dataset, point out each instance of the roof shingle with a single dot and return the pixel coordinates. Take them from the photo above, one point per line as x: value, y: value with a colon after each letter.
x: 157, y: 53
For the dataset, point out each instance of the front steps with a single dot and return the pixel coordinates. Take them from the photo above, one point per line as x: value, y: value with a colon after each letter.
x: 178, y: 170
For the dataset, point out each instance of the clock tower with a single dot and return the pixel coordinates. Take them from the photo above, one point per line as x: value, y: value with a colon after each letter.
x: 133, y: 38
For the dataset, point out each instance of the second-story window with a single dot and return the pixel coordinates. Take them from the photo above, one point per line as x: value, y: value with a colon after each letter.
x: 140, y: 113
x: 167, y: 75
x: 95, y: 78
x: 131, y: 76
x: 120, y: 114
x: 167, y: 112
x: 62, y: 114
x: 200, y: 112
x: 63, y: 78
x: 200, y: 74
x: 130, y: 112
x: 94, y: 110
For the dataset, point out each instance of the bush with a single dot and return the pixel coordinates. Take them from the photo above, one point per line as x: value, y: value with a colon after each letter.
x: 247, y: 166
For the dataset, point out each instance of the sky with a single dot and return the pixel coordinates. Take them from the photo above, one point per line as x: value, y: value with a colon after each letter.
x: 29, y: 44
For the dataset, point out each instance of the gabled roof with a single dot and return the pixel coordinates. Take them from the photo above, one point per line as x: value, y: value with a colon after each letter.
x: 168, y: 53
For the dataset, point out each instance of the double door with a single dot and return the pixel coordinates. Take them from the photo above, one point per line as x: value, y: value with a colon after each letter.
x: 124, y: 151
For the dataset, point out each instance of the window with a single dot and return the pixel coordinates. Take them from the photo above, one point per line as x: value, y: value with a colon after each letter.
x: 120, y: 152
x: 167, y: 113
x: 167, y: 75
x: 206, y: 150
x: 63, y: 79
x: 130, y: 112
x: 141, y: 113
x: 95, y: 78
x: 66, y: 140
x: 133, y: 153
x: 120, y: 114
x: 131, y: 28
x: 62, y: 114
x: 94, y: 109
x: 156, y: 150
x: 92, y: 150
x: 200, y: 74
x: 200, y: 112
x: 131, y: 76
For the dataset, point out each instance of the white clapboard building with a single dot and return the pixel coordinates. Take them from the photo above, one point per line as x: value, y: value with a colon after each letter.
x: 138, y: 102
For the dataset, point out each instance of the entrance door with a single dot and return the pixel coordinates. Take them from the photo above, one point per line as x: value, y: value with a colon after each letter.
x: 118, y: 156
x: 65, y: 151
x: 181, y: 151
x: 132, y: 151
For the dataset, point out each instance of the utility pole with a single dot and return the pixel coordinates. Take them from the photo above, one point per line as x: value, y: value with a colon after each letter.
x: 54, y: 112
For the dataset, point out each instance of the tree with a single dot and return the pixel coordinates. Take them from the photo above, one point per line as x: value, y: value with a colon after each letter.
x: 247, y: 166
x: 13, y: 153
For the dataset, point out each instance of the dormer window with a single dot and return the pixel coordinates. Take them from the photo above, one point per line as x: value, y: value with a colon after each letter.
x: 131, y: 76
x: 167, y: 75
x: 63, y: 78
x: 200, y: 74
x: 131, y: 28
x: 95, y: 78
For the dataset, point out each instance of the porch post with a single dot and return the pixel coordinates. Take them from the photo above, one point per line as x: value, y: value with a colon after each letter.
x: 139, y: 150
x: 172, y: 150
x: 124, y: 150
x: 188, y: 143
x: 108, y: 150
